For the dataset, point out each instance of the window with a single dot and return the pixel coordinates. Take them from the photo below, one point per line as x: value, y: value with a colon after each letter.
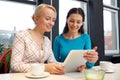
x: 111, y: 38
x: 30, y: 0
x: 63, y: 10
x: 110, y: 2
x: 6, y: 38
x: 14, y: 16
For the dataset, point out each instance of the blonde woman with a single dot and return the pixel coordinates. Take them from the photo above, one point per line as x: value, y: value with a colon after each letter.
x: 32, y: 46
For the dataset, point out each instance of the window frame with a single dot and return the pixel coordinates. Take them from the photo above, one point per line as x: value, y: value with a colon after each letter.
x: 34, y: 2
x: 114, y: 9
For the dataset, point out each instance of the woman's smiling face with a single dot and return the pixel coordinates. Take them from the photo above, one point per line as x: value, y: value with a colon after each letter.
x: 74, y: 21
x: 46, y: 19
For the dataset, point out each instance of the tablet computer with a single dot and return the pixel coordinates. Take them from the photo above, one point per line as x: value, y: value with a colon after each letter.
x: 75, y: 59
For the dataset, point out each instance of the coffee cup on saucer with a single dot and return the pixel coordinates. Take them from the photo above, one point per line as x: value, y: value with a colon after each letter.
x: 107, y: 66
x: 37, y: 69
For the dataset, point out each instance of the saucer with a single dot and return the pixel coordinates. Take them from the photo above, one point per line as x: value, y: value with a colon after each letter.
x: 29, y: 75
x: 110, y: 71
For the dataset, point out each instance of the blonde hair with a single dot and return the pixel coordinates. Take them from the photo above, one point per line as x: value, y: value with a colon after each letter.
x: 40, y: 7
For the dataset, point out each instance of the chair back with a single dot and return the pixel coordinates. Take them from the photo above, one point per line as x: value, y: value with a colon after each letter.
x: 5, y: 61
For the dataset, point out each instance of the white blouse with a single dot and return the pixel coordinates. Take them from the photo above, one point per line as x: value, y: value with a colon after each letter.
x: 26, y: 52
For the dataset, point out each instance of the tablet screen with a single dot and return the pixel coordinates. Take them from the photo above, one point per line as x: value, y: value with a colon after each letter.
x: 75, y: 59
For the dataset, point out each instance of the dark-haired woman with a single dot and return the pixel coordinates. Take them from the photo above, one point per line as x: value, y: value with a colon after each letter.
x: 73, y: 37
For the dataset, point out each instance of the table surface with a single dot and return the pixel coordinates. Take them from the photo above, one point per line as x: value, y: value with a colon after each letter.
x: 67, y: 76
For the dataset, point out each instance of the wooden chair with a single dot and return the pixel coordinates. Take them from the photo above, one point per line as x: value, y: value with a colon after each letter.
x: 5, y: 61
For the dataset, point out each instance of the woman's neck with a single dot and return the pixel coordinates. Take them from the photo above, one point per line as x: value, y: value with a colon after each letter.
x: 38, y: 32
x: 38, y: 37
x: 71, y: 35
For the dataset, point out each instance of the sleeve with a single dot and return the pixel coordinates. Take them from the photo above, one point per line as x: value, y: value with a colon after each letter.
x: 56, y: 49
x: 87, y: 42
x: 88, y: 46
x: 89, y: 64
x: 17, y: 65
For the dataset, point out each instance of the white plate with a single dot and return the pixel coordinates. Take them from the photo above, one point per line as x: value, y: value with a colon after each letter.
x: 110, y: 71
x: 107, y: 71
x: 29, y: 75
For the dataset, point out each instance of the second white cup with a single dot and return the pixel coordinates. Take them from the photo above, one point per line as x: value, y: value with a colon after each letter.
x: 107, y: 66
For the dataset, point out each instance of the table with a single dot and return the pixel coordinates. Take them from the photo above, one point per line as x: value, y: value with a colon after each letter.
x: 115, y: 75
x: 67, y: 76
x: 108, y: 76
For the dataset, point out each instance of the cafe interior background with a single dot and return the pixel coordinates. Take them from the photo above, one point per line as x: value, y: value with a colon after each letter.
x: 102, y: 22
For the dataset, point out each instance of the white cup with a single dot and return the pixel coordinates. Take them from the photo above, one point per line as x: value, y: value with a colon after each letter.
x: 37, y: 69
x: 106, y: 66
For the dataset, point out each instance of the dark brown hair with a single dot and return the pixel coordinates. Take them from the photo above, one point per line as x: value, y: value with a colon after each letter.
x: 72, y: 11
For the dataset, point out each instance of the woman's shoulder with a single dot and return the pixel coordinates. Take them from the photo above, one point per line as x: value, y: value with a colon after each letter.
x: 58, y: 37
x: 47, y: 39
x: 85, y: 35
x: 22, y: 32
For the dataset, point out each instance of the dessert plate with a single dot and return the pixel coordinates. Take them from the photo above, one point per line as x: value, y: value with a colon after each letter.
x: 110, y: 71
x: 29, y: 75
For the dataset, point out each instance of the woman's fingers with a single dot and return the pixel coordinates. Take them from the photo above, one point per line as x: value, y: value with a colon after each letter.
x: 81, y: 68
x: 91, y: 56
x: 60, y: 69
x: 95, y: 48
x: 56, y: 69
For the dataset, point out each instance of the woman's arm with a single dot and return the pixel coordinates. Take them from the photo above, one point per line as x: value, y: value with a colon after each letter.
x: 17, y: 65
